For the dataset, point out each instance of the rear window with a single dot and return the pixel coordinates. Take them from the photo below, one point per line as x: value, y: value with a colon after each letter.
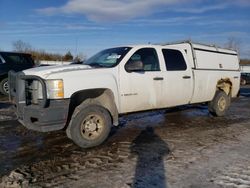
x: 17, y: 58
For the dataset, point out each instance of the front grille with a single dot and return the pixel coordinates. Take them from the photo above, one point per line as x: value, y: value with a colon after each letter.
x: 31, y: 92
x: 27, y: 89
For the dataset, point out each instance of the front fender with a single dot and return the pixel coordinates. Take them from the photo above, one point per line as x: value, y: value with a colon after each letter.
x: 75, y: 81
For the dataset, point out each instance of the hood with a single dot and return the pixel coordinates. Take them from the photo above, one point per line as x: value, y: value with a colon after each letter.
x: 44, y: 71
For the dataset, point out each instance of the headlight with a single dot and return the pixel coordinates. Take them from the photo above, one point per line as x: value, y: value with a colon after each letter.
x: 55, y: 89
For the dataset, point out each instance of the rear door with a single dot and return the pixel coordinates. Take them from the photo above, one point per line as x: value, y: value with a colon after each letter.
x: 178, y: 78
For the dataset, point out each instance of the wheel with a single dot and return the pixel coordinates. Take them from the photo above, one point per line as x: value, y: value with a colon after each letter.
x: 4, y: 86
x: 89, y: 126
x: 220, y: 103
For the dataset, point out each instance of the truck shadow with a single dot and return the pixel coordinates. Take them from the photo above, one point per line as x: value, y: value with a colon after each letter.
x: 150, y: 150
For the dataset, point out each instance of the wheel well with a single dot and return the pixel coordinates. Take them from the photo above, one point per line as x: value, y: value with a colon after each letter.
x: 224, y: 85
x: 103, y: 97
x: 3, y: 77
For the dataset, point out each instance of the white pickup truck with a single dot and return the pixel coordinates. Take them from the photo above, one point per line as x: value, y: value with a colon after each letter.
x: 88, y: 99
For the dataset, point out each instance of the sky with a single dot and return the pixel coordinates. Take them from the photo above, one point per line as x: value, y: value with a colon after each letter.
x: 87, y: 26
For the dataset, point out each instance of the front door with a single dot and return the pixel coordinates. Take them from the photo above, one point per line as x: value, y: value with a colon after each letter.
x: 141, y: 89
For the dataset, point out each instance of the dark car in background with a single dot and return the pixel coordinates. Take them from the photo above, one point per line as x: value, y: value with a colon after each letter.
x: 12, y: 61
x: 245, y: 78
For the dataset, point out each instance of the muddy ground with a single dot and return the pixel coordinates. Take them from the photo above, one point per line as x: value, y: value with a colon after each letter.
x: 181, y: 147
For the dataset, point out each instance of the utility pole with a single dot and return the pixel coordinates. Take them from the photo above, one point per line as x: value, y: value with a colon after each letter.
x: 76, y: 49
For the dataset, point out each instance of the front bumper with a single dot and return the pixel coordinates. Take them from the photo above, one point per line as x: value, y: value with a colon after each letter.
x: 46, y: 115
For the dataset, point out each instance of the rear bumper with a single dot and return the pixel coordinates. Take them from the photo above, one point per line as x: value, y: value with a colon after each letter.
x: 47, y: 115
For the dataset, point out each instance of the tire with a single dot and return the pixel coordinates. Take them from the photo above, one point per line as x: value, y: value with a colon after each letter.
x: 4, y: 86
x: 220, y: 103
x: 89, y: 126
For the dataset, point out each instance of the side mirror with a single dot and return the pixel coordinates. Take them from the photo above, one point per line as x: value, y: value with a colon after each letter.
x: 134, y: 66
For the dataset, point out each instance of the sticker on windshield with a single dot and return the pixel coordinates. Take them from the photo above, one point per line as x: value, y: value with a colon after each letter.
x: 114, y: 56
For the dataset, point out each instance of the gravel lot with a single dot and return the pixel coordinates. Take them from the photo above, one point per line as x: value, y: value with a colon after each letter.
x: 180, y: 147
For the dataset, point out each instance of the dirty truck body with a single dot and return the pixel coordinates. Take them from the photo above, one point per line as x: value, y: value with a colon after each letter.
x: 87, y: 99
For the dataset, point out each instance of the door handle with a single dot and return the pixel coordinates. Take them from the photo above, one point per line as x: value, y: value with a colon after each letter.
x: 158, y: 78
x: 186, y: 77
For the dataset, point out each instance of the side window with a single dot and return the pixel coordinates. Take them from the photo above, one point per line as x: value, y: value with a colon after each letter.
x: 148, y: 57
x: 15, y: 59
x: 174, y: 60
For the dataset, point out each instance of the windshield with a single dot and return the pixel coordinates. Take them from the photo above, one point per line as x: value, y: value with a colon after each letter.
x: 108, y: 58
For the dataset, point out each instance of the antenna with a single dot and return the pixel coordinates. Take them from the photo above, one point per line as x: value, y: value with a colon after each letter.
x: 76, y: 49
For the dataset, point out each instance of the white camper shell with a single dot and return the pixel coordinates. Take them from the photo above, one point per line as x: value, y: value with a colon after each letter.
x: 210, y: 64
x: 209, y: 57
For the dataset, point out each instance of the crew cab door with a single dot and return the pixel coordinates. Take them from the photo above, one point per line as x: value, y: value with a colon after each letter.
x: 178, y: 79
x: 141, y: 89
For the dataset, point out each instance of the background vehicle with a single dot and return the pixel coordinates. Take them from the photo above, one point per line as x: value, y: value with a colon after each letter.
x: 87, y: 99
x: 245, y: 74
x: 245, y: 78
x: 76, y: 62
x: 12, y: 61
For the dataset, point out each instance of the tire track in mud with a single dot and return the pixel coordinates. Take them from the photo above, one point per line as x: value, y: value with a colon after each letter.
x: 54, y: 172
x: 7, y: 112
x: 108, y: 159
x: 81, y: 163
x: 235, y: 176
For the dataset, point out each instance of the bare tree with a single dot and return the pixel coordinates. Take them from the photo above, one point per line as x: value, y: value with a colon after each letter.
x: 21, y: 46
x: 68, y: 56
x: 80, y: 57
x: 233, y: 43
x: 39, y: 54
